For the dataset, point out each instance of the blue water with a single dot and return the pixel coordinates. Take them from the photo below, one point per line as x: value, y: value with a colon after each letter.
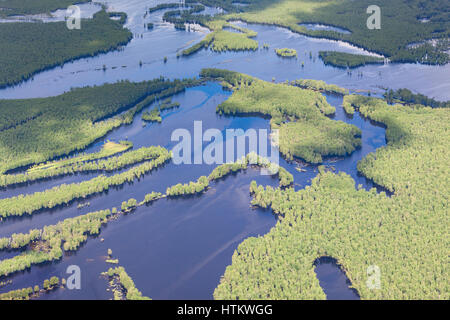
x: 203, y: 232
x: 323, y: 27
x: 179, y: 249
x: 333, y: 280
x: 151, y: 46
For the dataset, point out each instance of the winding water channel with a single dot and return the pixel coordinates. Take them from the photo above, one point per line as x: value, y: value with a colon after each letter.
x: 178, y: 249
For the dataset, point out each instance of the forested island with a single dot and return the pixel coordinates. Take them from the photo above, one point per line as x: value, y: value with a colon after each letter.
x: 48, y: 244
x: 36, y: 130
x: 221, y: 40
x: 348, y: 60
x: 320, y: 220
x: 319, y: 85
x: 33, y: 292
x: 82, y: 163
x: 123, y: 286
x: 65, y: 194
x: 78, y: 170
x: 27, y: 48
x: 286, y: 53
x: 334, y: 197
x: 401, y: 26
x: 406, y: 96
x: 301, y: 116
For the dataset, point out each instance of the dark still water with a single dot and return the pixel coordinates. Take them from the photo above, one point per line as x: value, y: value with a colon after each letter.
x: 175, y: 248
x: 179, y: 248
x: 333, y: 280
x: 151, y: 46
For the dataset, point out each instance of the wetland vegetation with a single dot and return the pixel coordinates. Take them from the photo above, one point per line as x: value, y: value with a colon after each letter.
x: 35, y: 130
x: 347, y: 60
x: 286, y: 53
x: 320, y: 220
x: 152, y: 116
x: 400, y: 25
x: 48, y: 244
x: 82, y: 163
x: 27, y: 48
x: 319, y: 85
x: 406, y: 96
x: 330, y: 216
x: 220, y: 40
x: 123, y: 286
x: 50, y: 241
x: 300, y: 115
x: 66, y: 193
x: 32, y: 292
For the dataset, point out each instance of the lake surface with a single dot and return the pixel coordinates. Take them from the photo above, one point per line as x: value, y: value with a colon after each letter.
x: 179, y: 248
x: 151, y: 46
x: 201, y: 231
x: 333, y: 280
